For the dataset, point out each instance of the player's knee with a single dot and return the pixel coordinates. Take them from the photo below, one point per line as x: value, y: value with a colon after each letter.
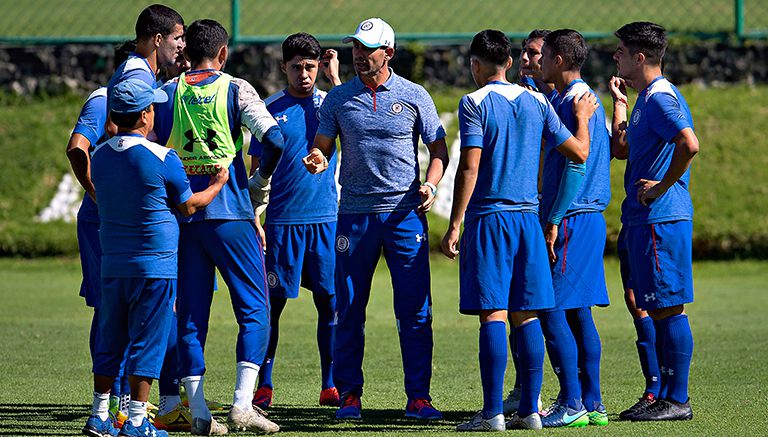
x: 520, y: 318
x: 663, y: 313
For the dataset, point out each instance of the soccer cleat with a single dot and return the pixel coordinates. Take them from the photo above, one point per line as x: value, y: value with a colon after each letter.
x: 564, y: 416
x: 598, y: 417
x: 479, y: 423
x: 664, y: 409
x: 644, y: 402
x: 329, y: 397
x: 263, y: 397
x: 422, y: 409
x: 532, y: 421
x: 145, y: 429
x: 120, y: 419
x: 207, y: 427
x: 95, y: 427
x: 178, y: 419
x: 512, y: 402
x: 114, y: 405
x: 151, y: 410
x: 212, y: 405
x: 250, y: 420
x: 350, y: 408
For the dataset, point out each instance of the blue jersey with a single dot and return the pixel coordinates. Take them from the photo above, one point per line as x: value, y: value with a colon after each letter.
x: 660, y: 113
x: 298, y: 197
x: 135, y: 67
x: 379, y: 132
x: 90, y: 124
x: 244, y: 108
x: 595, y: 192
x: 508, y: 122
x: 137, y: 183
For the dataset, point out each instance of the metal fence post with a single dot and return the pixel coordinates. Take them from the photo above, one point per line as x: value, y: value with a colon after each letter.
x: 739, y: 18
x: 235, y: 37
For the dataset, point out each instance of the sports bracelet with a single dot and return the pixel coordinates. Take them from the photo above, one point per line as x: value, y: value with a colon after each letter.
x: 431, y: 187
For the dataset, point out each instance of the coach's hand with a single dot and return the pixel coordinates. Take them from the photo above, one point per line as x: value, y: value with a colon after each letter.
x: 315, y: 162
x: 585, y: 105
x: 427, y: 199
x: 648, y: 190
x: 450, y: 242
x: 550, y: 236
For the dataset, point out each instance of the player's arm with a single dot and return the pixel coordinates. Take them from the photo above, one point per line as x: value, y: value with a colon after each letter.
x: 463, y: 187
x: 317, y: 160
x: 570, y: 184
x: 80, y: 161
x: 329, y: 64
x: 619, y: 144
x: 201, y: 199
x: 686, y: 147
x: 438, y: 162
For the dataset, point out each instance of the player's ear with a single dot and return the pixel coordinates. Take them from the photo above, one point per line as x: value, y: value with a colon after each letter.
x: 222, y: 55
x: 640, y: 57
x: 508, y: 64
x: 284, y: 68
x: 157, y: 39
x: 559, y: 61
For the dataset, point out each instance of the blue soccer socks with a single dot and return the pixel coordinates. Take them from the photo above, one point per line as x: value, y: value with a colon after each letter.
x: 588, y: 343
x: 678, y: 350
x: 564, y: 356
x: 493, y: 363
x: 646, y: 350
x: 530, y: 347
x: 326, y: 333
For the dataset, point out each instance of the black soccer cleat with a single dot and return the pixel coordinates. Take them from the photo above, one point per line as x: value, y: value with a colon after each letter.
x: 644, y: 402
x: 664, y: 409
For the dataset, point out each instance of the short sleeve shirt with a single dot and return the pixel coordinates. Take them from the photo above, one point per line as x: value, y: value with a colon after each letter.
x: 90, y: 124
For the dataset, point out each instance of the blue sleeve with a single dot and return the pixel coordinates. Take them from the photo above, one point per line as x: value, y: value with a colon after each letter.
x: 555, y: 132
x: 141, y: 74
x: 570, y: 184
x: 164, y: 115
x: 429, y: 124
x: 665, y: 116
x: 92, y: 119
x: 272, y: 151
x: 329, y: 125
x: 470, y: 124
x: 256, y: 147
x: 176, y: 180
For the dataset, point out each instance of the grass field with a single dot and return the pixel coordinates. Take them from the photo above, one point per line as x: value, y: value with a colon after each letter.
x: 335, y: 17
x: 45, y: 380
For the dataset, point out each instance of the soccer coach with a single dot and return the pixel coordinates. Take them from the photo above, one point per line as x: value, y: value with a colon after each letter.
x: 379, y: 117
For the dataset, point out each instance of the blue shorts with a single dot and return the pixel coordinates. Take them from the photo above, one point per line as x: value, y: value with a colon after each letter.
x: 504, y: 264
x: 623, y: 253
x: 578, y: 275
x: 90, y: 261
x: 300, y: 255
x: 661, y: 258
x: 135, y: 313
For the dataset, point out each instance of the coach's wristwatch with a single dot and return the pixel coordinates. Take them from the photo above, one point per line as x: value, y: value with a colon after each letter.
x: 431, y: 187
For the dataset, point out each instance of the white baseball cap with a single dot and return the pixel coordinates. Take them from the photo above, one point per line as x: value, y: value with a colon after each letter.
x: 373, y: 33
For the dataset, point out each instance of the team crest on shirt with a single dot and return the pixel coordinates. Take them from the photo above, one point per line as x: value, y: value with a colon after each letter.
x: 366, y: 26
x: 342, y: 243
x: 272, y: 279
x: 636, y: 117
x: 397, y: 107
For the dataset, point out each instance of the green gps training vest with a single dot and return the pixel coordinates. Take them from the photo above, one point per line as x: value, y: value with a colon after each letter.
x: 201, y: 134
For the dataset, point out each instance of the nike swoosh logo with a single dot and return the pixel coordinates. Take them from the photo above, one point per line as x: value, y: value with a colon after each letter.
x: 567, y: 418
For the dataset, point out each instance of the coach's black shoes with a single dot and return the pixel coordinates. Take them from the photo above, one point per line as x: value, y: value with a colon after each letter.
x: 664, y: 409
x: 641, y: 405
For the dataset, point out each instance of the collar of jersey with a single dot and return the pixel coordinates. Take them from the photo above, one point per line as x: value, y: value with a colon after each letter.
x: 386, y: 85
x: 645, y: 90
x: 499, y: 82
x: 206, y: 76
x: 128, y: 134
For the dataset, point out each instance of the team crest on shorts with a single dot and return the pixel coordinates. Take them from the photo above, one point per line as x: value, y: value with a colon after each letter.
x: 397, y: 107
x: 342, y: 243
x: 272, y: 279
x: 636, y: 117
x: 366, y: 26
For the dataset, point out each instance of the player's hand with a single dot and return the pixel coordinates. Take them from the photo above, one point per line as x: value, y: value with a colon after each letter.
x: 258, y: 189
x: 618, y: 87
x: 315, y: 162
x: 450, y: 242
x: 427, y: 199
x: 220, y: 178
x: 648, y: 190
x: 262, y: 234
x: 329, y: 65
x: 550, y: 236
x: 585, y: 105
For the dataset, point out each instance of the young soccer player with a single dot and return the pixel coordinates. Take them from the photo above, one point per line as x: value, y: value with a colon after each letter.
x: 301, y: 215
x: 573, y: 198
x: 504, y: 266
x: 136, y: 182
x: 202, y: 121
x: 657, y: 214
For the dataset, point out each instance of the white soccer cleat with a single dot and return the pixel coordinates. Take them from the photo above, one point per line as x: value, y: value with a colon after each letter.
x: 512, y: 402
x: 250, y: 420
x: 479, y: 423
x: 532, y: 421
x: 204, y: 427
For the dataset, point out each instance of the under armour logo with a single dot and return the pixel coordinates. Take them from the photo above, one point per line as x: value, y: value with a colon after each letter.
x: 557, y: 370
x: 671, y: 372
x: 208, y: 140
x: 283, y: 118
x: 650, y: 297
x: 420, y: 237
x: 148, y: 432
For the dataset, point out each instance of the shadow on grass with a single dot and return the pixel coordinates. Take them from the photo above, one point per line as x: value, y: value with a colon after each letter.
x: 42, y: 419
x: 68, y: 419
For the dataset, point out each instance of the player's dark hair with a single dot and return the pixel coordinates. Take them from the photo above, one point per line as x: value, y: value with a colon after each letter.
x: 645, y: 37
x: 537, y: 33
x: 204, y: 40
x: 124, y: 50
x: 156, y: 19
x: 570, y: 45
x: 491, y: 46
x: 126, y: 120
x: 301, y: 44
